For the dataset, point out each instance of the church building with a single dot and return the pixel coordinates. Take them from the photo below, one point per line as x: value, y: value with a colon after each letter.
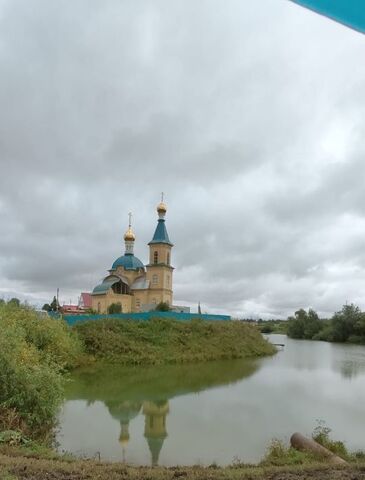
x: 135, y: 286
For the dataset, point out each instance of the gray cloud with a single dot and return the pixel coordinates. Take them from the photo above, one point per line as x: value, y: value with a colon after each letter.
x: 249, y: 118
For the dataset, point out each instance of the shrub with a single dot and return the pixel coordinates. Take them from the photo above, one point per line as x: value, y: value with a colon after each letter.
x: 346, y: 322
x: 321, y: 434
x: 278, y: 454
x: 356, y: 339
x: 304, y: 325
x: 34, y: 352
x: 163, y: 307
x: 267, y: 329
x: 115, y: 308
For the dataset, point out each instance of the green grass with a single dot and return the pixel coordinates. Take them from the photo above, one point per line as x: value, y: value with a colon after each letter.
x: 38, y: 465
x: 164, y: 341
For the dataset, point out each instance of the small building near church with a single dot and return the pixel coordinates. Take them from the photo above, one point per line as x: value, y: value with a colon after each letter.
x: 85, y: 301
x: 135, y: 286
x: 70, y: 309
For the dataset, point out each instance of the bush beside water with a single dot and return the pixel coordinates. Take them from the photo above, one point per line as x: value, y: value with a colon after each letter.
x: 278, y: 454
x: 34, y: 354
x: 347, y: 325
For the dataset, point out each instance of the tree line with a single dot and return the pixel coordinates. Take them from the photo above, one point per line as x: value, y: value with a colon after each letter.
x: 346, y: 325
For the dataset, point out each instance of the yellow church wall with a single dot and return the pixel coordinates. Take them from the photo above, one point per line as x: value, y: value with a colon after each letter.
x: 130, y: 275
x: 140, y: 297
x: 159, y: 276
x: 131, y: 303
x: 100, y: 303
x: 160, y: 295
x: 150, y: 297
x: 162, y: 252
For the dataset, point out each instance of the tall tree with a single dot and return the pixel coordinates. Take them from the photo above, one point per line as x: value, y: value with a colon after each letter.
x: 54, y: 305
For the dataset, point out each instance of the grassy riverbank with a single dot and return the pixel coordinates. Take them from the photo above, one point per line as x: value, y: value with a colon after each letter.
x: 164, y: 341
x: 25, y: 468
x: 30, y: 462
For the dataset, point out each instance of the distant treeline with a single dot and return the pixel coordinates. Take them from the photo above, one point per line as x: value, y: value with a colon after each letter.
x: 272, y: 326
x: 347, y: 325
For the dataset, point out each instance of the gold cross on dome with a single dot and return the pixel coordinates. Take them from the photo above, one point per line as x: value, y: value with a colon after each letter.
x: 130, y: 219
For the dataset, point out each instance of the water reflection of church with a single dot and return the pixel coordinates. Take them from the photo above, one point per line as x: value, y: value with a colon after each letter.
x: 155, y: 432
x: 128, y: 392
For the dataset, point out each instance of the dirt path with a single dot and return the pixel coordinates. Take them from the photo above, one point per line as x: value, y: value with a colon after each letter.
x: 22, y: 468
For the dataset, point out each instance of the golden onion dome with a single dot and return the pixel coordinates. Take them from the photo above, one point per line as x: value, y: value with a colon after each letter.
x: 161, y: 208
x: 129, y: 235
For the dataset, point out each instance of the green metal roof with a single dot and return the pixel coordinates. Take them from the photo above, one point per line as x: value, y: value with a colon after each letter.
x: 105, y: 285
x: 161, y: 235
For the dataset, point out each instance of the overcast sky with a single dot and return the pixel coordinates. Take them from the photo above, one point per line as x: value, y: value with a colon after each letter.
x: 248, y: 115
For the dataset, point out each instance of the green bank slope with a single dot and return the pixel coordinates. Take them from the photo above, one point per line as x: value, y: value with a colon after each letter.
x: 164, y: 341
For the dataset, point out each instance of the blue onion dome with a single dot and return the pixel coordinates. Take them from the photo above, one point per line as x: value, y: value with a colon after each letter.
x: 129, y: 262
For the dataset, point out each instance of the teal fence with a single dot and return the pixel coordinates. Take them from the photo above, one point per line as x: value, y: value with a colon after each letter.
x: 145, y: 316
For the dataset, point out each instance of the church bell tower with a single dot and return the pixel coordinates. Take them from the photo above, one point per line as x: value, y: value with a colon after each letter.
x: 159, y: 269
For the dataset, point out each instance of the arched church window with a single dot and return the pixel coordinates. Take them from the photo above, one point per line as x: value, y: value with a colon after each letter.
x: 138, y: 302
x: 155, y: 257
x: 98, y: 307
x: 121, y: 288
x: 154, y: 279
x: 168, y: 258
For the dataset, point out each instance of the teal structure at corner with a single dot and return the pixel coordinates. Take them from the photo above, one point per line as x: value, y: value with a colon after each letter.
x: 145, y: 316
x: 348, y: 12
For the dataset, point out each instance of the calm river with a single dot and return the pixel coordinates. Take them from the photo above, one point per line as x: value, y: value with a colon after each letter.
x: 215, y: 412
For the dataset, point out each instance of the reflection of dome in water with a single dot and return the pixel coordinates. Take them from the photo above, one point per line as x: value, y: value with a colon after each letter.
x: 124, y: 434
x: 124, y: 412
x: 155, y: 426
